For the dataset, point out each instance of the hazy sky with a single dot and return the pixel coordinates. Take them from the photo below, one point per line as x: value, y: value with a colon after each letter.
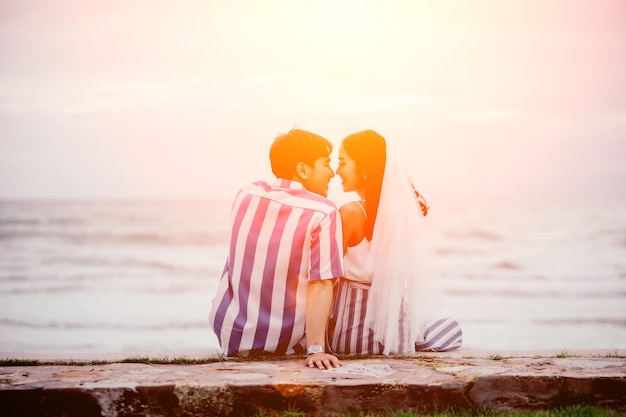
x: 133, y: 99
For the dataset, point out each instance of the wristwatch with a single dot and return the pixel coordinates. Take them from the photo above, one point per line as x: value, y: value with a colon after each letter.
x: 315, y: 349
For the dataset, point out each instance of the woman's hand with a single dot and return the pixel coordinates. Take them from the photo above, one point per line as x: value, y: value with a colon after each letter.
x: 322, y: 361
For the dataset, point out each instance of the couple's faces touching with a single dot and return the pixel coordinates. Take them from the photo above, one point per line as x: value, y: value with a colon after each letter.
x: 351, y: 180
x: 317, y: 177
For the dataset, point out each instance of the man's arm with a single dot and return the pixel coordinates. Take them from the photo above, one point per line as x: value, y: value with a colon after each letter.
x: 318, y: 304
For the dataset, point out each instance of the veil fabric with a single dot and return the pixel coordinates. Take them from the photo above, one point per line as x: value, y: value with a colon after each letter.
x: 403, y: 295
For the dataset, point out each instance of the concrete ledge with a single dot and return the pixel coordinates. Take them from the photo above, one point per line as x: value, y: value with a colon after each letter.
x: 422, y: 383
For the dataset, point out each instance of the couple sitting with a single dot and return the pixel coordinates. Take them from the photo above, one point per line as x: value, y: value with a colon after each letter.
x: 302, y: 276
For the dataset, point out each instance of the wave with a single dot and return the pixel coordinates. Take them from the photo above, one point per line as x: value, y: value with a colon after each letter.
x: 450, y: 251
x: 473, y: 234
x: 129, y: 264
x: 507, y: 265
x: 100, y: 325
x: 555, y: 294
x: 615, y: 321
x: 42, y: 221
x: 57, y: 289
x: 219, y: 237
x: 612, y: 321
x: 117, y: 270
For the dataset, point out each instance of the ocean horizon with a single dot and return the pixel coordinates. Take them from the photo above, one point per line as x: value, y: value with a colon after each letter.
x: 139, y: 275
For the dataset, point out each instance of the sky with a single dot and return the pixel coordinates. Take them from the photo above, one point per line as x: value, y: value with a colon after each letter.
x: 162, y: 99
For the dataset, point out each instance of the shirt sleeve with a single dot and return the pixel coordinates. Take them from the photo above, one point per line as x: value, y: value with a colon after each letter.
x: 326, y: 248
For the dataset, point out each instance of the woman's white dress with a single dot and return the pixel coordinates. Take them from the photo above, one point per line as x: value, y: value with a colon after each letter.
x: 386, y: 302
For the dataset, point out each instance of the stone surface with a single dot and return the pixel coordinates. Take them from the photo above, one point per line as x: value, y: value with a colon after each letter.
x: 422, y: 382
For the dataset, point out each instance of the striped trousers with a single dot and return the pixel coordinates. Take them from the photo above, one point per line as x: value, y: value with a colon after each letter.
x: 349, y: 335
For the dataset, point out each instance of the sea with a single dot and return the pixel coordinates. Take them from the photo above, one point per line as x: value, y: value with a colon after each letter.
x: 139, y: 276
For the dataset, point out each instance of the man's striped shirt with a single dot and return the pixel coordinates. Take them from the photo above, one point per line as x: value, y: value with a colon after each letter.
x: 282, y: 236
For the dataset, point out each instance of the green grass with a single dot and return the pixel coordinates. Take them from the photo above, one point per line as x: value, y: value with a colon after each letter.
x: 19, y: 362
x: 614, y: 354
x: 182, y: 360
x: 134, y: 359
x: 565, y: 353
x: 495, y: 357
x: 164, y: 360
x: 256, y: 357
x: 571, y: 411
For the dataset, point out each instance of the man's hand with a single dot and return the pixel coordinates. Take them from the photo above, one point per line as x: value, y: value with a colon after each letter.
x: 319, y: 300
x: 322, y: 361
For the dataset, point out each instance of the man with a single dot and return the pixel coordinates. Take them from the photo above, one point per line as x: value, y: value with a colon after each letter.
x: 276, y: 290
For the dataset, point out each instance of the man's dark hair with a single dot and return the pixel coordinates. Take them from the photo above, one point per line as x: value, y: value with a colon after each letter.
x: 294, y: 147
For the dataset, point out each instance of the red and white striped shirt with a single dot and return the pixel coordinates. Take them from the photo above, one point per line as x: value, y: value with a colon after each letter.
x: 282, y: 236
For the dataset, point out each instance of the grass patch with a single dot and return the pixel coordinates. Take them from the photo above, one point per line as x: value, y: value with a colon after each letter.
x: 421, y: 359
x: 164, y: 360
x: 19, y: 362
x: 77, y: 363
x: 565, y: 353
x: 134, y: 359
x: 291, y: 412
x: 614, y: 354
x: 571, y: 411
x: 182, y: 360
x: 36, y: 362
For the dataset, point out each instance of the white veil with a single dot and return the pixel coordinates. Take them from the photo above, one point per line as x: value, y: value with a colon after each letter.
x: 401, y: 259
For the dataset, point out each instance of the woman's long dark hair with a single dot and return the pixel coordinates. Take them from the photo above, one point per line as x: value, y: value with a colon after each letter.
x: 369, y: 151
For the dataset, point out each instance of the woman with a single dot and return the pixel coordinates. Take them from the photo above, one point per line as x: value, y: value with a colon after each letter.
x: 385, y: 301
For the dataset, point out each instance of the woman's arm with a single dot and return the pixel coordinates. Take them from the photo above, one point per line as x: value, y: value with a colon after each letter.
x: 352, y: 223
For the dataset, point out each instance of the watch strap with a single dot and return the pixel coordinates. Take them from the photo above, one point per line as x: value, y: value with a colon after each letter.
x: 315, y: 348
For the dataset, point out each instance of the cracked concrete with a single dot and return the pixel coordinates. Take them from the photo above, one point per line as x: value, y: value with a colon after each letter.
x: 423, y: 382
